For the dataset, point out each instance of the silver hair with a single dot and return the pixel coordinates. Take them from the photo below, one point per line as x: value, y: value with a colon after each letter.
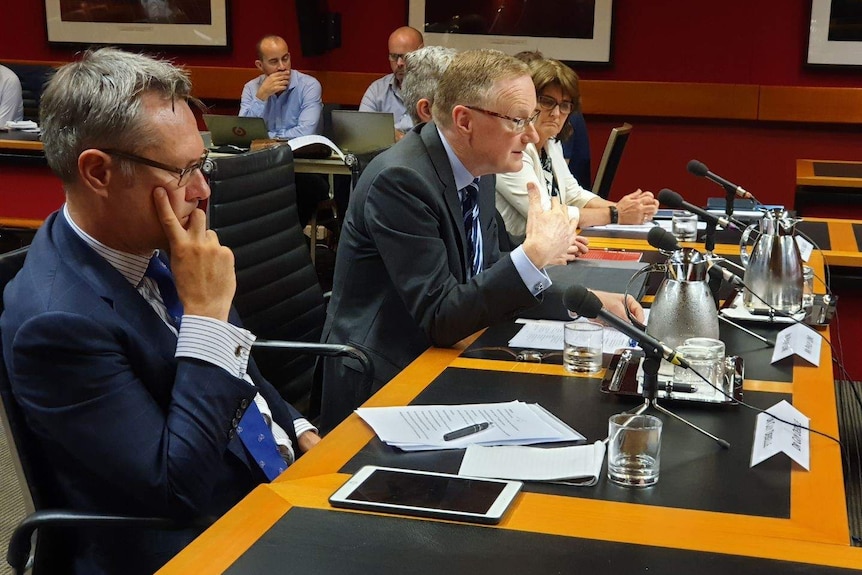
x: 423, y: 69
x: 96, y: 102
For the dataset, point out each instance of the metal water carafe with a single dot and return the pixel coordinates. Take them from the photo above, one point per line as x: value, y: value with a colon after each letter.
x: 773, y: 269
x: 683, y: 305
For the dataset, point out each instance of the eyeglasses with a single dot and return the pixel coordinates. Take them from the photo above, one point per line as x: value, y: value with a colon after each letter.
x: 396, y: 57
x: 520, y: 123
x: 548, y: 103
x: 183, y: 174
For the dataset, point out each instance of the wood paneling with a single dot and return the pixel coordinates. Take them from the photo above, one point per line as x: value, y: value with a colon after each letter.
x: 809, y: 104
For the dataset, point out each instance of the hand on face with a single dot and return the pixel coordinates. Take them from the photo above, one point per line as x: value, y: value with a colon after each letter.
x: 275, y: 83
x: 551, y: 236
x: 203, y: 269
x: 637, y: 208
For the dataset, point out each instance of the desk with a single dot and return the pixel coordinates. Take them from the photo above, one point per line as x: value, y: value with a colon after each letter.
x: 785, y: 520
x: 828, y: 184
x: 840, y: 240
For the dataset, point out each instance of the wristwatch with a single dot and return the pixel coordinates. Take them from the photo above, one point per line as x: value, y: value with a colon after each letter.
x: 615, y: 215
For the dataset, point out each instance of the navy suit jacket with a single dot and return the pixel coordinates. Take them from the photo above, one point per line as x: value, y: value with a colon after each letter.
x: 401, y: 282
x: 127, y: 427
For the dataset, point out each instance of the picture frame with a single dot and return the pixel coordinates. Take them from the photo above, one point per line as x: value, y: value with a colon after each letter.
x: 578, y: 31
x: 835, y: 33
x: 176, y: 23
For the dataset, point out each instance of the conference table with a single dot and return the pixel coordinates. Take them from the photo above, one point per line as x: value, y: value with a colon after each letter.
x: 709, y: 513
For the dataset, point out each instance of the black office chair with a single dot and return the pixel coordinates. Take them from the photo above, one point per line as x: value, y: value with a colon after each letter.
x: 52, y: 519
x: 611, y: 160
x: 253, y: 210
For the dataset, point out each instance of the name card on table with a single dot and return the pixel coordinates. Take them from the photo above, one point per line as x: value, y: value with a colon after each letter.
x: 772, y: 436
x: 798, y: 339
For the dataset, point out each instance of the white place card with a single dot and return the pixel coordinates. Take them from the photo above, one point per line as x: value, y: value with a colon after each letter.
x: 805, y: 248
x: 798, y: 339
x: 772, y: 436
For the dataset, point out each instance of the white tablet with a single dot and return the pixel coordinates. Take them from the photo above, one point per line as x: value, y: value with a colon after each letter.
x: 426, y: 494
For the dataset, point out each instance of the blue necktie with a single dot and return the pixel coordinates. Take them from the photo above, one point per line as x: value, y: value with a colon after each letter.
x: 253, y: 430
x: 470, y: 211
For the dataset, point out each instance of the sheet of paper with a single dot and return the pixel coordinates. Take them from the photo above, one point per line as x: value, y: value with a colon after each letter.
x: 421, y: 427
x: 535, y: 463
x: 667, y: 224
x: 772, y: 436
x: 548, y: 334
x: 302, y: 141
x: 626, y: 227
x: 798, y: 339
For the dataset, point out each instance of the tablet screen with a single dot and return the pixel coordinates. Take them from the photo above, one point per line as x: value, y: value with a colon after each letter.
x: 428, y: 491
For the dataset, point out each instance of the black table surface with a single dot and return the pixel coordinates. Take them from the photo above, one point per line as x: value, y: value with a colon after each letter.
x: 315, y: 541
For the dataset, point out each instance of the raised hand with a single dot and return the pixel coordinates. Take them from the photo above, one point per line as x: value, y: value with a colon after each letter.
x: 203, y: 269
x: 551, y: 235
x: 275, y: 83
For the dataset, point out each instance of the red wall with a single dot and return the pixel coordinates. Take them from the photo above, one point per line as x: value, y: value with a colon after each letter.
x: 737, y: 41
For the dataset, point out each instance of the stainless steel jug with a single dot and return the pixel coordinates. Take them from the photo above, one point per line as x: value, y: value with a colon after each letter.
x: 683, y: 305
x: 773, y: 269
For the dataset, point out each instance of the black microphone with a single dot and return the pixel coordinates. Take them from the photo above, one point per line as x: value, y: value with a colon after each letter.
x: 674, y: 200
x: 582, y: 301
x: 700, y: 169
x: 663, y: 240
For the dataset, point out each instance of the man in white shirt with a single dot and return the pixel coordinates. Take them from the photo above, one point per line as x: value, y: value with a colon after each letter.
x: 11, y: 103
x: 384, y: 94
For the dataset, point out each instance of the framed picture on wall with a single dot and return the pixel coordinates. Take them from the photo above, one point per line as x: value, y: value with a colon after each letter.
x: 835, y: 35
x: 570, y: 30
x: 192, y: 23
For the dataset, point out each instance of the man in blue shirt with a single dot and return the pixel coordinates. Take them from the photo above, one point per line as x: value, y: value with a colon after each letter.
x: 291, y: 104
x: 288, y: 100
x: 384, y: 94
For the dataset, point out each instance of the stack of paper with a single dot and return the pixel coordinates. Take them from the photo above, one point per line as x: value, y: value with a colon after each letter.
x: 548, y: 334
x: 579, y: 465
x: 422, y: 427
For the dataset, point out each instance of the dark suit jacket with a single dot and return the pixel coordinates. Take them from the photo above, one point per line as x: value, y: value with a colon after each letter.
x: 400, y: 281
x: 128, y: 428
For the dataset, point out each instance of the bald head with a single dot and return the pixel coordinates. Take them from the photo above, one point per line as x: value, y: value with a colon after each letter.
x: 401, y: 42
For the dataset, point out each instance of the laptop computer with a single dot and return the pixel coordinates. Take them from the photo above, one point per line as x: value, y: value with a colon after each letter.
x: 362, y: 132
x: 235, y: 130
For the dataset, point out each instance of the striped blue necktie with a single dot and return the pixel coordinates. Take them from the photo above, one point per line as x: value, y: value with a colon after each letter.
x: 470, y: 211
x: 253, y: 429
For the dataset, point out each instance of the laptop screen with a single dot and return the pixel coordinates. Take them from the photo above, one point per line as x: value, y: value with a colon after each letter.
x: 362, y: 132
x: 235, y: 130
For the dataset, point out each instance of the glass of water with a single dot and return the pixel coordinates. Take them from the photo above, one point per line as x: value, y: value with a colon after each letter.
x: 582, y: 349
x: 634, y: 449
x: 683, y: 225
x: 705, y: 356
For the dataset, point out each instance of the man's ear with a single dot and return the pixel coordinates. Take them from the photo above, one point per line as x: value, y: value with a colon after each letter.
x: 96, y: 169
x: 423, y: 109
x: 462, y: 119
x: 259, y: 65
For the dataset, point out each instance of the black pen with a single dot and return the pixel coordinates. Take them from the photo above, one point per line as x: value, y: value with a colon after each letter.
x: 465, y: 431
x: 679, y: 388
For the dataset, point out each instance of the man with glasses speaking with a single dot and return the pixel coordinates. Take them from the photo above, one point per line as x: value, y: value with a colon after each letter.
x: 384, y: 94
x: 119, y: 338
x: 418, y: 262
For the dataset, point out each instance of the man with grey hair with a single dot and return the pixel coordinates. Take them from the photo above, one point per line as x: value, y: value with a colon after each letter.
x: 118, y: 334
x: 423, y: 70
x: 418, y: 262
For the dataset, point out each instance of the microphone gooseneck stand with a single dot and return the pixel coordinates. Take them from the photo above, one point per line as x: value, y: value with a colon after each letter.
x: 650, y: 366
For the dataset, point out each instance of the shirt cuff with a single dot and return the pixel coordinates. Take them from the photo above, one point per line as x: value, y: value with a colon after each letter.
x: 302, y: 425
x: 217, y: 342
x: 535, y: 279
